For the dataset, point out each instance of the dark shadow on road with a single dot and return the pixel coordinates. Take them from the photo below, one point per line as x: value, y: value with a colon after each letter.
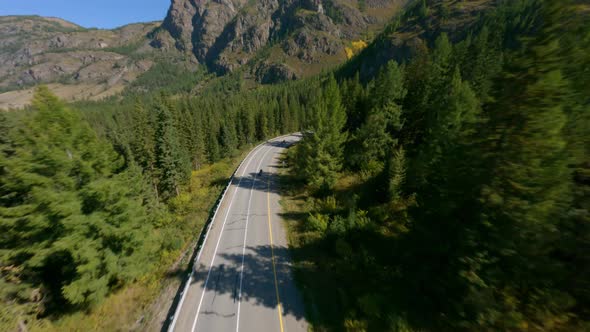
x: 258, y: 182
x: 258, y: 285
x: 279, y: 144
x: 253, y: 263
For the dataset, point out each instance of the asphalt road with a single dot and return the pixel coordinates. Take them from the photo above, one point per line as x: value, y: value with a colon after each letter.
x: 242, y: 280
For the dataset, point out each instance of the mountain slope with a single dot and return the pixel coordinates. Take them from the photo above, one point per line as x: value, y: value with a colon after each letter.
x: 416, y: 31
x: 297, y: 38
x: 79, y: 62
x: 276, y: 40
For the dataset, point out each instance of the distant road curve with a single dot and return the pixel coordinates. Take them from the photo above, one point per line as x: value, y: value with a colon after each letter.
x: 242, y: 278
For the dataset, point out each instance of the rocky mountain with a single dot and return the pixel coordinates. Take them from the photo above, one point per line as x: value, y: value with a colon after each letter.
x: 76, y: 62
x: 273, y: 40
x: 280, y: 39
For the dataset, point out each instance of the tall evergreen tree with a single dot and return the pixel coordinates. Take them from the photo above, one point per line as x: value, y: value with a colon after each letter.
x: 68, y: 219
x: 262, y: 129
x: 228, y: 139
x: 142, y: 143
x: 353, y: 98
x: 173, y: 166
x: 212, y: 142
x: 530, y: 187
x: 321, y: 151
x: 248, y: 123
x: 373, y: 141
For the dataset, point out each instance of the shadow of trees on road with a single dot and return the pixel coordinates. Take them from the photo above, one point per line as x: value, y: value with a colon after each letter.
x: 258, y: 182
x: 258, y: 284
x: 258, y: 279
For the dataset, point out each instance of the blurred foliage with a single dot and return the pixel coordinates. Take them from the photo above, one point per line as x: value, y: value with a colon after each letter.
x: 446, y: 193
x: 470, y: 164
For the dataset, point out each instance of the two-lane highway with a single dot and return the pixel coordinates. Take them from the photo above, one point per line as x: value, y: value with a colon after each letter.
x: 242, y: 280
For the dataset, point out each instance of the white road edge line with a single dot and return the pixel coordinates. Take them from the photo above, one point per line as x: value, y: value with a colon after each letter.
x: 219, y: 240
x: 245, y: 236
x: 190, y: 277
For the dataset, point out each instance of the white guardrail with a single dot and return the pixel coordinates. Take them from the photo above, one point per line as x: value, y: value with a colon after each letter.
x: 190, y: 276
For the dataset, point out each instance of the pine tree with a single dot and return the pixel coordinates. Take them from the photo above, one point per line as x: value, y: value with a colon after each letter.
x: 321, y: 151
x: 372, y: 142
x: 262, y: 130
x: 353, y: 95
x: 248, y: 123
x: 228, y: 139
x: 389, y: 86
x: 449, y: 109
x: 530, y: 187
x: 297, y: 112
x: 68, y: 219
x: 199, y: 152
x: 173, y: 166
x: 483, y: 64
x: 142, y: 144
x: 212, y: 142
x: 370, y: 145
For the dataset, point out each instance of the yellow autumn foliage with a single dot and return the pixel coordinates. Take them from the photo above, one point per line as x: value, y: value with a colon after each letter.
x: 355, y: 47
x: 349, y: 52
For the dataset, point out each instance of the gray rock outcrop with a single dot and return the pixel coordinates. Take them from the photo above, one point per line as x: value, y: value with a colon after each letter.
x: 226, y: 34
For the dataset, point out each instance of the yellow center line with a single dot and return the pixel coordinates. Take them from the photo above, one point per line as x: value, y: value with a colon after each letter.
x: 272, y: 253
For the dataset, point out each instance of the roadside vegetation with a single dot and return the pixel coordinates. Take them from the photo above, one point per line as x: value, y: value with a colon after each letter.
x: 88, y: 246
x: 99, y: 199
x: 450, y: 193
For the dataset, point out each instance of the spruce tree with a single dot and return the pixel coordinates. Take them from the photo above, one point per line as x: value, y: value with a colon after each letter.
x: 248, y: 123
x: 228, y: 139
x: 321, y: 151
x: 212, y: 143
x: 262, y: 130
x: 173, y: 166
x: 69, y: 218
x: 198, y: 141
x: 373, y: 141
x: 142, y: 143
x: 353, y: 95
x: 530, y: 187
x: 389, y: 86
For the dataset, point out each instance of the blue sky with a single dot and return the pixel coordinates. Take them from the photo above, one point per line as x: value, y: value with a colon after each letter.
x: 90, y: 13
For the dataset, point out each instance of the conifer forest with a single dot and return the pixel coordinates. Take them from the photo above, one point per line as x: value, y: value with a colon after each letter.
x: 442, y: 189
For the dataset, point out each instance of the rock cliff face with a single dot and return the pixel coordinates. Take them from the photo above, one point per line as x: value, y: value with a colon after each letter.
x: 299, y: 37
x: 274, y: 40
x: 78, y: 62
